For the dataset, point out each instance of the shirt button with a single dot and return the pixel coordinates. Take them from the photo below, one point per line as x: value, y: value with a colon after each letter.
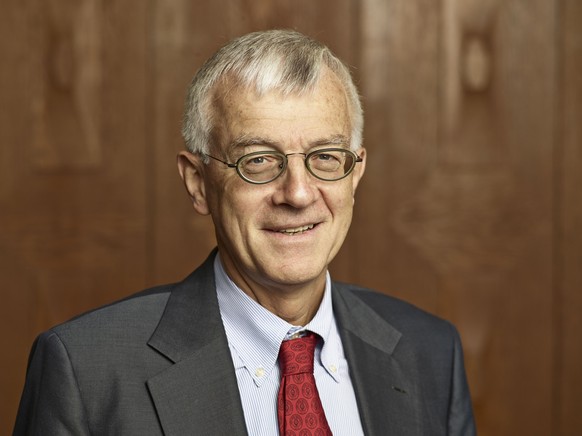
x: 259, y: 372
x: 333, y: 368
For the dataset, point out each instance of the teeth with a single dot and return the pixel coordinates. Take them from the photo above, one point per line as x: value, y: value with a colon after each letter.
x: 297, y: 230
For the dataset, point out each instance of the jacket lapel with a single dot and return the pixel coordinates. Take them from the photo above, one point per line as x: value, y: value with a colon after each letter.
x: 386, y: 394
x: 198, y: 394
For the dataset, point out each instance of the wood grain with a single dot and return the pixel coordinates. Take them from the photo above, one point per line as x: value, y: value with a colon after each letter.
x: 568, y: 265
x: 66, y: 109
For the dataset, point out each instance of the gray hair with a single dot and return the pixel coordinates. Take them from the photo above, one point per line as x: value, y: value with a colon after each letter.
x: 282, y: 60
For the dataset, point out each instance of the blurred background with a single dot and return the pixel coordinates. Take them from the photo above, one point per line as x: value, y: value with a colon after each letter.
x: 470, y: 207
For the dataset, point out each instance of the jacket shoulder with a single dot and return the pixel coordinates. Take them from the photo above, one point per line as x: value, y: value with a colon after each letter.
x: 128, y: 314
x: 403, y: 316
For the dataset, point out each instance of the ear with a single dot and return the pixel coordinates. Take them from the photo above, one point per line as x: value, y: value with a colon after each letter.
x: 191, y: 169
x: 359, y: 169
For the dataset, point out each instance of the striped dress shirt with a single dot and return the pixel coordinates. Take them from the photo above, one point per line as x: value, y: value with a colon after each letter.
x: 254, y: 337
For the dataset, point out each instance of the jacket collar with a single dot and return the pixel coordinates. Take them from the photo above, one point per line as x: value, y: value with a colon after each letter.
x: 385, y: 391
x: 198, y: 394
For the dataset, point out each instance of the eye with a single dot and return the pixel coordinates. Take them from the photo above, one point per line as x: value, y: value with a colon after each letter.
x: 326, y: 160
x: 324, y: 156
x: 259, y: 163
x: 256, y: 160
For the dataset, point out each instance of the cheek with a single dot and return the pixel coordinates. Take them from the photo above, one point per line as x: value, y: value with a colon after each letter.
x: 221, y: 190
x: 237, y: 205
x: 340, y: 202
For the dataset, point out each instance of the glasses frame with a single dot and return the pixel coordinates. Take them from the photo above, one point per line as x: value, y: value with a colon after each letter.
x: 285, y: 157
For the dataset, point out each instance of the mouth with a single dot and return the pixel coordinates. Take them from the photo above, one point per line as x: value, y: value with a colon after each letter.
x: 296, y: 230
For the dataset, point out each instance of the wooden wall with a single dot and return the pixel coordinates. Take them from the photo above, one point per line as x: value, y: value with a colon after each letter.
x: 470, y: 207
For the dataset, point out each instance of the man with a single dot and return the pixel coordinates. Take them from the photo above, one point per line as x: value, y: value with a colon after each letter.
x: 273, y: 127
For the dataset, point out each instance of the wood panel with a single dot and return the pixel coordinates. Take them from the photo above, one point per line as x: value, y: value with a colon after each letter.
x: 568, y: 402
x: 456, y: 206
x: 399, y: 75
x: 184, y: 34
x: 73, y: 141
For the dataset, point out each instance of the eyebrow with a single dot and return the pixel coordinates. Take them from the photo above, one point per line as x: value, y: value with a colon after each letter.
x: 246, y: 140
x: 334, y: 140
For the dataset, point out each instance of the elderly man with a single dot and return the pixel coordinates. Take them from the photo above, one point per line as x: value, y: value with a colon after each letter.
x: 258, y: 340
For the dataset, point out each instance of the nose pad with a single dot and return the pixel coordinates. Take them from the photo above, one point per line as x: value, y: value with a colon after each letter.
x: 300, y: 166
x: 297, y: 188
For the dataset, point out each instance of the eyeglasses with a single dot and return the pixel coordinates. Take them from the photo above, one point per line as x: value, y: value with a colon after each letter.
x: 260, y: 167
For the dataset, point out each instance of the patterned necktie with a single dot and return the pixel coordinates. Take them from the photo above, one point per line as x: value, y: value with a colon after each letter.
x: 299, y: 408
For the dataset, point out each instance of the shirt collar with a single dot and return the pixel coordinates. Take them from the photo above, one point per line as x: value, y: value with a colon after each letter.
x: 255, y: 334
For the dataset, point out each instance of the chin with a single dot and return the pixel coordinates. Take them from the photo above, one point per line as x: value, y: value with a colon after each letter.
x: 295, y: 273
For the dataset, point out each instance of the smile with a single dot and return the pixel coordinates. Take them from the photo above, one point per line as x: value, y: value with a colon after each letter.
x: 297, y: 230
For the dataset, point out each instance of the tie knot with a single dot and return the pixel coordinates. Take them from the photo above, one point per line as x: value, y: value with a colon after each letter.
x: 296, y: 355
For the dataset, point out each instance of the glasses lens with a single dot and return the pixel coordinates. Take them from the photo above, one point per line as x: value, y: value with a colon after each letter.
x: 261, y: 167
x: 331, y: 164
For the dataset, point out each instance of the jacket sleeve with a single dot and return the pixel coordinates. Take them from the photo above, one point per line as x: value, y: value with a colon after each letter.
x: 51, y: 402
x: 461, y: 421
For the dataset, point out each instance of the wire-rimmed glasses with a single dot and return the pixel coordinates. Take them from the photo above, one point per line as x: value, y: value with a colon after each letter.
x: 259, y: 167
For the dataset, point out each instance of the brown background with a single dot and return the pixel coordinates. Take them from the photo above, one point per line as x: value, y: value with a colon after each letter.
x: 470, y: 207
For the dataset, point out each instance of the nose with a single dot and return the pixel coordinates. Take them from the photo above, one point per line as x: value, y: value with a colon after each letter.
x: 296, y: 186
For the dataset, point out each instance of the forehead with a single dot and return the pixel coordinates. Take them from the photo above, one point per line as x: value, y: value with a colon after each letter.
x: 241, y: 115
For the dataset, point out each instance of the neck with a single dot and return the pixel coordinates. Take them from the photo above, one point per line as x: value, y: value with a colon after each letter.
x: 297, y: 307
x: 296, y: 303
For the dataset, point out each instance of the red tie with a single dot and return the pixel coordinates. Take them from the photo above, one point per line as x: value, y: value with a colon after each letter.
x: 298, y: 405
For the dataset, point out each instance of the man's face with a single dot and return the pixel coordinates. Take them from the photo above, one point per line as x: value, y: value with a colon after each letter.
x: 282, y: 234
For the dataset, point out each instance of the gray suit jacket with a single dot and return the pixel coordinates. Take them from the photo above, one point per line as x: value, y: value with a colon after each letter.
x: 158, y: 363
